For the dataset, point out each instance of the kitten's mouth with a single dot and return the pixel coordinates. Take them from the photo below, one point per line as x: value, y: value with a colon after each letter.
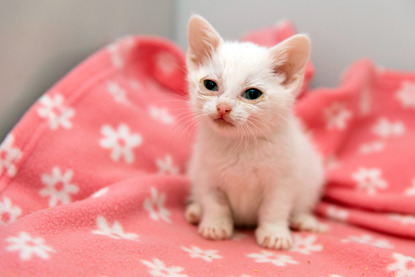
x: 222, y: 122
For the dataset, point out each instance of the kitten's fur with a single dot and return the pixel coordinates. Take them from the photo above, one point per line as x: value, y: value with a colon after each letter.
x: 252, y: 165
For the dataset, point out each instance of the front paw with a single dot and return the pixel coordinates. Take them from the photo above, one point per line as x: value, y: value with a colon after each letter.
x: 275, y: 237
x: 216, y: 229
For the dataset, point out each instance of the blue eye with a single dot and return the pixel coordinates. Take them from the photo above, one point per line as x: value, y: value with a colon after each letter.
x: 210, y: 85
x: 252, y: 94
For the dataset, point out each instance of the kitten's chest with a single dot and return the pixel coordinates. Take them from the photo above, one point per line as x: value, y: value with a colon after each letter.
x: 250, y: 167
x: 243, y: 172
x: 243, y: 178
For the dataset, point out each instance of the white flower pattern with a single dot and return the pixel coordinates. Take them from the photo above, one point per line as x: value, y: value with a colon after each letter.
x: 369, y: 180
x: 120, y: 141
x: 116, y: 57
x: 119, y: 49
x: 369, y: 240
x: 155, y: 206
x: 159, y: 269
x: 29, y: 246
x: 404, y: 266
x: 9, y: 155
x: 406, y: 95
x: 117, y: 92
x: 161, y: 115
x: 8, y: 212
x: 58, y: 186
x: 206, y: 255
x: 53, y: 109
x: 385, y: 128
x: 372, y: 147
x: 336, y: 116
x: 274, y: 258
x: 403, y: 219
x: 305, y: 244
x: 337, y: 213
x: 166, y: 166
x: 115, y: 231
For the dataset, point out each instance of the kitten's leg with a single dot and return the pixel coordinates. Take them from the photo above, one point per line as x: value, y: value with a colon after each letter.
x: 193, y: 212
x: 302, y: 218
x: 307, y: 222
x: 273, y: 230
x: 216, y: 220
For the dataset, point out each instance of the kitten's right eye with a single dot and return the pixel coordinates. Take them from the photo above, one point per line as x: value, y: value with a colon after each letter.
x: 210, y: 85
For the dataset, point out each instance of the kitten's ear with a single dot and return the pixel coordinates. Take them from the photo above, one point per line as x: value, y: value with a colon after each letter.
x: 202, y: 39
x: 290, y: 59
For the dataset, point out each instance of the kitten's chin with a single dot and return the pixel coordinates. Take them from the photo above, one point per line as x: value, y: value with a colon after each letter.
x: 222, y: 123
x: 222, y: 126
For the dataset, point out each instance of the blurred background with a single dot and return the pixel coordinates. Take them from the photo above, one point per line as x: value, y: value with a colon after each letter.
x: 40, y: 41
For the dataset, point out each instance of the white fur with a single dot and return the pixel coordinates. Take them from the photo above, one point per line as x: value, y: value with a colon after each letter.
x: 258, y: 168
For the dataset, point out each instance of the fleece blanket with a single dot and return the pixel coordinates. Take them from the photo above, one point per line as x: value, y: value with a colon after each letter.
x: 92, y: 179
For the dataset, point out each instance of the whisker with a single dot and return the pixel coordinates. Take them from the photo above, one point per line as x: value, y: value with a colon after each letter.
x: 267, y: 127
x: 189, y: 120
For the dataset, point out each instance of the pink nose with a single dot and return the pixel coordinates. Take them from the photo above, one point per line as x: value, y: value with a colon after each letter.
x: 223, y: 108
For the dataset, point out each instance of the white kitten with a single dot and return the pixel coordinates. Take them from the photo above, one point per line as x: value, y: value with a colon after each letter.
x: 252, y: 165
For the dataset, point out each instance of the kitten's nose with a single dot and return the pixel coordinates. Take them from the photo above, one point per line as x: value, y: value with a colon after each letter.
x: 223, y: 108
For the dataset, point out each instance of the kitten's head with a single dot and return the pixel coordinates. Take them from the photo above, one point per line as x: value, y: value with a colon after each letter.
x: 239, y: 88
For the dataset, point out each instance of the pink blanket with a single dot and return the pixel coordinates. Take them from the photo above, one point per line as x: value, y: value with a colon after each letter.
x: 92, y: 178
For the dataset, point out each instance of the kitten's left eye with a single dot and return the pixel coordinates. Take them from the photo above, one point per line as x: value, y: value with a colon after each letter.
x: 252, y: 94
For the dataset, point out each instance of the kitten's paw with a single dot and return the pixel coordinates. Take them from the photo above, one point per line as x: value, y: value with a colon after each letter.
x: 216, y: 229
x: 193, y: 213
x: 307, y: 222
x: 277, y: 237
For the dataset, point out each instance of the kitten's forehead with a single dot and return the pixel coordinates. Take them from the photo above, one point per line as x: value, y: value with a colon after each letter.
x: 242, y: 52
x: 240, y: 64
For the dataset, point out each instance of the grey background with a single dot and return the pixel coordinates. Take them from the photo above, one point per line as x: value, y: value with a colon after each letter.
x: 42, y: 40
